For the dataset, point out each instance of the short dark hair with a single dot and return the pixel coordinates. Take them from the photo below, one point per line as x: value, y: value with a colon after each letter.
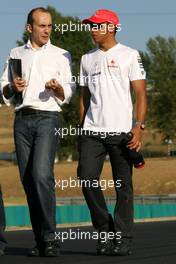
x: 30, y: 19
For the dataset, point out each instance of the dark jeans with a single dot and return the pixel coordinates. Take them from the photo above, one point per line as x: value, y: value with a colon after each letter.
x: 2, y: 223
x: 92, y: 153
x: 36, y: 145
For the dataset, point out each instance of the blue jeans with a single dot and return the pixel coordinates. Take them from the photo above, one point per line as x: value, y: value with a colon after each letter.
x: 36, y: 145
x: 2, y: 223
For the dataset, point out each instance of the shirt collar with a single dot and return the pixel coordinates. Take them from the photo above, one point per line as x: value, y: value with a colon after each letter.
x: 29, y: 45
x: 116, y: 46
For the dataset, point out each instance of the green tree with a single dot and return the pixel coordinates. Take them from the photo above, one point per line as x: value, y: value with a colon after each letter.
x: 77, y: 43
x: 160, y: 62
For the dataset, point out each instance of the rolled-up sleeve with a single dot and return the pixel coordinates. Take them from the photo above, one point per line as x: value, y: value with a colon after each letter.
x: 67, y: 80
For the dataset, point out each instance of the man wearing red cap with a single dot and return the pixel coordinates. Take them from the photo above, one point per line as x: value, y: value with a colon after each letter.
x: 108, y: 74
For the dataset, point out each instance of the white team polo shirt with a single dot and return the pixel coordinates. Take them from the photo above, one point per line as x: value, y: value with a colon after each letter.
x: 108, y: 75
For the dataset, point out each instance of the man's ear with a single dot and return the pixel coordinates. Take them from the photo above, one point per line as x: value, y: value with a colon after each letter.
x: 29, y: 28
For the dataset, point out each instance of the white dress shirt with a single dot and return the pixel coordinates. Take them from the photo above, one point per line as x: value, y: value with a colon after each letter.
x: 38, y: 67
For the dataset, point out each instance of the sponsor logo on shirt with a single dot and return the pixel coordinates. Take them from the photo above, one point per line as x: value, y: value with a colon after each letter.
x: 112, y: 64
x: 96, y: 73
x: 140, y: 64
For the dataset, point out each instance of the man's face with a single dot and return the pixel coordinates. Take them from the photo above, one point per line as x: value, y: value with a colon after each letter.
x: 41, y: 28
x: 101, y: 32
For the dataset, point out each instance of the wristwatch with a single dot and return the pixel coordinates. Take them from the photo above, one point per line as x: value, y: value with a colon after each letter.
x: 140, y: 124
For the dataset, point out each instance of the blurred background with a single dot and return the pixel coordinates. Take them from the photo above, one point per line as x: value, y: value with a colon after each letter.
x: 145, y: 25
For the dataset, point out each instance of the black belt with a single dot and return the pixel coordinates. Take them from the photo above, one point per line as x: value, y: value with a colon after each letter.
x: 105, y: 134
x: 31, y: 111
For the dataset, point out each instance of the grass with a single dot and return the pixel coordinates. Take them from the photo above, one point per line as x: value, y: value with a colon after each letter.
x: 157, y: 177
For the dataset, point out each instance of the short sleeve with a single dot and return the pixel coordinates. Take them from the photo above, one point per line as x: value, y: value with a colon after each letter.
x: 137, y: 71
x: 83, y: 74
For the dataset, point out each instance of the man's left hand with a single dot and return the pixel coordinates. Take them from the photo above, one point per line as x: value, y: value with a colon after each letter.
x: 136, y: 141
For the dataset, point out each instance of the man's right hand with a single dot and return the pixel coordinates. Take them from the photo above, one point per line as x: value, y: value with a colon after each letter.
x: 18, y: 84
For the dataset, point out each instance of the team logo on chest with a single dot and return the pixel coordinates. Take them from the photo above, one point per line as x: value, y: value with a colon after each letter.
x: 112, y: 64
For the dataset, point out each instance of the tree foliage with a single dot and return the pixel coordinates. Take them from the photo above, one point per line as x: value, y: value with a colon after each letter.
x: 160, y: 63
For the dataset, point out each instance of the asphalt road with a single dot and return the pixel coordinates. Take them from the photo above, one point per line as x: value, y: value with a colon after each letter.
x: 154, y: 243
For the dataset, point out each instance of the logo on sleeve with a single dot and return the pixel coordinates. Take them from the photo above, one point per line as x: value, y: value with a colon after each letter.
x: 140, y: 64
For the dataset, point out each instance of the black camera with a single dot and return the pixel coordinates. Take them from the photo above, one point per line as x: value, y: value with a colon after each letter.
x: 135, y: 157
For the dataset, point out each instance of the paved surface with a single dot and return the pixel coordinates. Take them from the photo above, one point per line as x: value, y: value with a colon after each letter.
x: 155, y: 243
